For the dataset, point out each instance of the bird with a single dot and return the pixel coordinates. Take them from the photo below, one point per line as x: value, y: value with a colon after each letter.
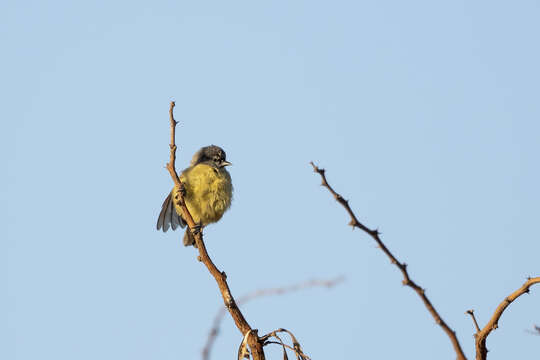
x: 207, y: 190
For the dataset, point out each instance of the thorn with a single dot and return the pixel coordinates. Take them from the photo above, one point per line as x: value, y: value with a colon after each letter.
x: 199, y: 258
x: 224, y: 275
x: 404, y: 265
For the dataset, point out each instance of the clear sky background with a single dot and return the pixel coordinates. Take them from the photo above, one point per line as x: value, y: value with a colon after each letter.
x: 425, y: 115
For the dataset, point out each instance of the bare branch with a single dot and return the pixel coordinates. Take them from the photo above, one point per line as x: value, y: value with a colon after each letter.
x: 171, y: 164
x: 401, y: 266
x: 471, y: 312
x: 481, y: 336
x: 212, y: 335
x: 219, y: 276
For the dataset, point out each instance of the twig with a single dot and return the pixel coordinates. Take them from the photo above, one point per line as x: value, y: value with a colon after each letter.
x: 220, y: 277
x: 212, y: 335
x: 401, y: 266
x: 171, y: 164
x: 471, y: 312
x: 481, y: 336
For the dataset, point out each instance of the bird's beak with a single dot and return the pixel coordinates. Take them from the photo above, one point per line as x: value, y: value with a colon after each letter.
x: 225, y: 163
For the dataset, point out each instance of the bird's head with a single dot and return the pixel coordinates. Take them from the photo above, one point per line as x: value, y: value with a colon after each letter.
x: 213, y: 155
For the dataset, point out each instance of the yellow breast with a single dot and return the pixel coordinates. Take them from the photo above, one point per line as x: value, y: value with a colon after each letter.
x: 208, y: 192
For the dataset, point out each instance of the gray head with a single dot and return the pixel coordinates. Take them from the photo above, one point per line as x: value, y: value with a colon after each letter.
x: 212, y: 155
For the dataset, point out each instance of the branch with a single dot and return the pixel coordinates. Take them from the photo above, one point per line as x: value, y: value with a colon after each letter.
x: 220, y: 277
x: 471, y: 312
x: 171, y: 164
x: 212, y: 335
x: 401, y: 266
x: 481, y: 336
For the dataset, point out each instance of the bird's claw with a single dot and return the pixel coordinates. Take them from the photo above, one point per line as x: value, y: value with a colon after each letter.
x: 196, y: 229
x: 182, y: 189
x: 179, y: 193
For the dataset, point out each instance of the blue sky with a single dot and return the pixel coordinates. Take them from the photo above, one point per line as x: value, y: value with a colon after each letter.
x: 425, y: 115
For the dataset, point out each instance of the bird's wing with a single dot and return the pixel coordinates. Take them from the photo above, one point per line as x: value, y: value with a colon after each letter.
x: 168, y: 217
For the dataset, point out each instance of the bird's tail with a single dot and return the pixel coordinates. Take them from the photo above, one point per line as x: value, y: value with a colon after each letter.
x: 189, y: 239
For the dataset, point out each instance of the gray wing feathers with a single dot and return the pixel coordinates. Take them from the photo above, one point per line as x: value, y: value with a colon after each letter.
x: 168, y: 217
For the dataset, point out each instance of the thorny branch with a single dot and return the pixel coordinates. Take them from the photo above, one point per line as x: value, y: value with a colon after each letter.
x: 481, y: 335
x: 220, y: 277
x: 401, y: 266
x: 212, y: 335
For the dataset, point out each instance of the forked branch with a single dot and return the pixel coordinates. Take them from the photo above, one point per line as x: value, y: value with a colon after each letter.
x: 401, y: 266
x: 481, y: 335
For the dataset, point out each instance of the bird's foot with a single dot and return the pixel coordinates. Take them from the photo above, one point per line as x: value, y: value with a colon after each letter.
x: 179, y: 194
x: 197, y: 228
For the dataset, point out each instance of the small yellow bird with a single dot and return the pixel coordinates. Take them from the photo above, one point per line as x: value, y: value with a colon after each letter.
x: 208, y: 192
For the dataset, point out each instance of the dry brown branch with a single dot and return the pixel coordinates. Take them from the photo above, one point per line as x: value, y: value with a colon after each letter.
x: 220, y: 277
x: 171, y: 164
x: 481, y: 336
x: 212, y: 335
x: 471, y: 312
x: 401, y: 266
